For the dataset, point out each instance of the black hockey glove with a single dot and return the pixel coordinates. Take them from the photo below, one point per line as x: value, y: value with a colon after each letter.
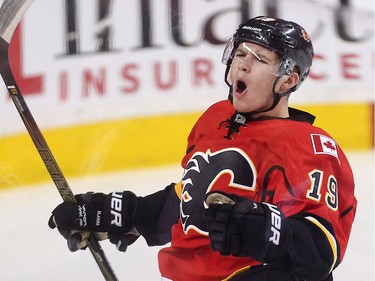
x: 240, y: 227
x: 107, y: 216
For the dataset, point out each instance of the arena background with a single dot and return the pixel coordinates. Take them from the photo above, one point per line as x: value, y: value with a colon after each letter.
x: 115, y: 86
x: 118, y: 84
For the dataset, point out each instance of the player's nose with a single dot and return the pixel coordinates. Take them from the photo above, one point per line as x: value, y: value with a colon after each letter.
x: 244, y: 64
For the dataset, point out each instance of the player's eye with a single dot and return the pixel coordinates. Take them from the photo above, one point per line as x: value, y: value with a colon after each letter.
x: 261, y: 60
x: 240, y: 54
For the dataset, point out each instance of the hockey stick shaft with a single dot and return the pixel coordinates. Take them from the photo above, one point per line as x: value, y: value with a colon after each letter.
x: 36, y: 135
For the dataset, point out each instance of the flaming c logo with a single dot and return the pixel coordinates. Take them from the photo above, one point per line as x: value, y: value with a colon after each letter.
x: 202, y: 172
x: 305, y: 35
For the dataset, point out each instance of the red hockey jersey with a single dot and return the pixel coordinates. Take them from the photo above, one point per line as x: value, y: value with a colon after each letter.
x: 287, y: 162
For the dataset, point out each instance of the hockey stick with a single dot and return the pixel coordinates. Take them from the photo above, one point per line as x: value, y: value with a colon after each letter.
x: 11, y: 13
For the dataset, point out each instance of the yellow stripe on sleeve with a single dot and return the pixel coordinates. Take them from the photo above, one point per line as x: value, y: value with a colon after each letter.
x: 236, y: 273
x: 331, y: 239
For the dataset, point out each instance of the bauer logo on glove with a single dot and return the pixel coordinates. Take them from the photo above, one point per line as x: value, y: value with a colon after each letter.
x: 275, y: 223
x: 116, y: 208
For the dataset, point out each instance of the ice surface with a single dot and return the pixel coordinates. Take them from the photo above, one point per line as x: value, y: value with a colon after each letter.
x: 31, y: 251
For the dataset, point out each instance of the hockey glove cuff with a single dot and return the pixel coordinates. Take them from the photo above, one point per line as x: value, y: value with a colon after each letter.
x: 240, y: 227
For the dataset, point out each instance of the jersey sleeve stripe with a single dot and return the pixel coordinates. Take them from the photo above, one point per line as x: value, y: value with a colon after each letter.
x: 236, y: 273
x: 331, y: 239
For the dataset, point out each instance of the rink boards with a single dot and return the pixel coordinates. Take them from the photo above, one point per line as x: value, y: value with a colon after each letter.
x: 150, y: 141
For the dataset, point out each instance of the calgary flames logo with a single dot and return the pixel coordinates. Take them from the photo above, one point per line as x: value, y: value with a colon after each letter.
x: 305, y: 35
x: 202, y: 172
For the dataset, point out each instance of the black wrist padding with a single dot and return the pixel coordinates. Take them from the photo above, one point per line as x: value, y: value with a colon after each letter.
x: 156, y: 213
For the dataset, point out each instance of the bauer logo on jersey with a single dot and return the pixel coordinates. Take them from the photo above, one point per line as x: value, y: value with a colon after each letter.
x: 324, y: 145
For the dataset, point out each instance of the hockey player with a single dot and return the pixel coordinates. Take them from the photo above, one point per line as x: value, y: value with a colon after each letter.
x: 265, y: 195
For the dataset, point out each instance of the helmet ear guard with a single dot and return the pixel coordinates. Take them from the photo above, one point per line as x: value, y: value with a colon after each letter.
x: 287, y: 66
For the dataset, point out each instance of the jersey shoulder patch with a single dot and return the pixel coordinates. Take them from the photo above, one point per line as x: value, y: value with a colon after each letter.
x: 324, y: 145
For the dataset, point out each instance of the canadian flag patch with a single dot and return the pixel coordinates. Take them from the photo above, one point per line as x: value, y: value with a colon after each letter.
x: 324, y: 145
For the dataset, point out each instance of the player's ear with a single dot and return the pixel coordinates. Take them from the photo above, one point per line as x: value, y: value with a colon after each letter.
x: 288, y: 82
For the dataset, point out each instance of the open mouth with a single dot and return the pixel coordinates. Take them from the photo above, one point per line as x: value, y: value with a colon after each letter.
x: 240, y: 86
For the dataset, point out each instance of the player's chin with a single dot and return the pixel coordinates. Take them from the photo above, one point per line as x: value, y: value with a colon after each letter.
x: 241, y: 105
